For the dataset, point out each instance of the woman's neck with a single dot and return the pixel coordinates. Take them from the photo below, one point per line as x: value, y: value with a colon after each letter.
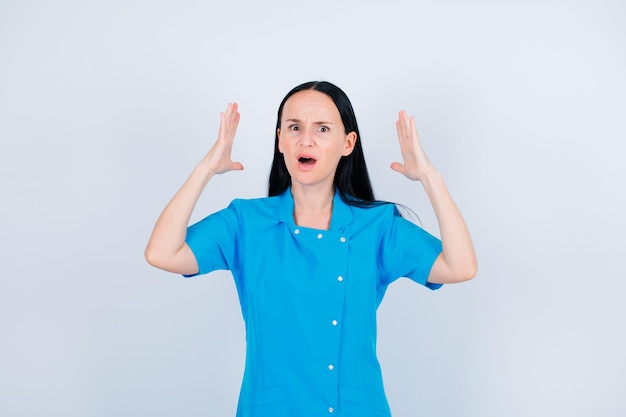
x: 312, y: 207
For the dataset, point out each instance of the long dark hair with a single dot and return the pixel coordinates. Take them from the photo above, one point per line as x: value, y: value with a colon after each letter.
x: 351, y: 178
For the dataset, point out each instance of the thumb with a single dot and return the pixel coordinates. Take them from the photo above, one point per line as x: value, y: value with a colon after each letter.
x: 398, y: 167
x: 236, y: 166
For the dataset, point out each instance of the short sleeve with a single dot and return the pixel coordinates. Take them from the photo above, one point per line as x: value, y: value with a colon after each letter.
x: 213, y: 241
x: 407, y: 250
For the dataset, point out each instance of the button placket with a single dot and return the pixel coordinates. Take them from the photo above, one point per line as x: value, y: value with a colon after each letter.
x: 342, y: 248
x: 334, y: 242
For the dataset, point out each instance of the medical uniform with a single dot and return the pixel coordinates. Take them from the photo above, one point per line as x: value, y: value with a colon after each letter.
x: 309, y: 299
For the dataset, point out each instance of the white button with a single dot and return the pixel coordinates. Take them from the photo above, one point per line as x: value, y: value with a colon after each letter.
x: 297, y: 231
x: 334, y: 322
x: 319, y: 236
x: 331, y: 410
x: 339, y: 278
x: 331, y: 367
x: 342, y: 239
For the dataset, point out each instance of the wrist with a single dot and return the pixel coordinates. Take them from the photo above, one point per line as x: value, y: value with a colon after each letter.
x: 204, y: 169
x: 430, y: 177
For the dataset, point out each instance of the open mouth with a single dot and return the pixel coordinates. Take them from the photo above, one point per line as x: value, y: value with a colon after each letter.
x: 306, y: 161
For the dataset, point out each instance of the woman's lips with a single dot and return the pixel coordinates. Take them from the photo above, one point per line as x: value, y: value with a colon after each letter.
x: 306, y: 162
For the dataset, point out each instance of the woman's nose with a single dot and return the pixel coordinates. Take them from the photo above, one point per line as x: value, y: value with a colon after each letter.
x: 307, y: 139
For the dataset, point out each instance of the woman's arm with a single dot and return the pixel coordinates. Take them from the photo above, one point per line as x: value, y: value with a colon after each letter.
x: 166, y: 248
x: 457, y: 262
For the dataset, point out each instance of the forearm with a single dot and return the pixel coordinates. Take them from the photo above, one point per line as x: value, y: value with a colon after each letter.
x: 168, y: 235
x: 457, y: 248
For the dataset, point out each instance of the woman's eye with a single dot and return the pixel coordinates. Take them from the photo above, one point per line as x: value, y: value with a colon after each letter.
x: 294, y: 127
x: 324, y: 129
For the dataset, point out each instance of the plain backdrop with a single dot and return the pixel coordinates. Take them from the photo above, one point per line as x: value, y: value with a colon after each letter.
x: 106, y: 107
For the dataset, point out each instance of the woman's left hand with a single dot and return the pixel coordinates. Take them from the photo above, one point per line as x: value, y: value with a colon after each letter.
x: 416, y: 164
x: 457, y: 262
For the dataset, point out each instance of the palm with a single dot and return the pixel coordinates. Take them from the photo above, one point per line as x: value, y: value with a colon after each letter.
x: 415, y: 164
x: 219, y: 157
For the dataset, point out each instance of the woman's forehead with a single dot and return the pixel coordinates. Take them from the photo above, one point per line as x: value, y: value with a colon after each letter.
x: 310, y: 104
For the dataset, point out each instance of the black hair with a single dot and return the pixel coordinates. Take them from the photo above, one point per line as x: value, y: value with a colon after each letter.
x: 351, y: 180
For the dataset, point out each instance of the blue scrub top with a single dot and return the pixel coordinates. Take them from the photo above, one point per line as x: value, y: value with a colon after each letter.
x: 309, y: 299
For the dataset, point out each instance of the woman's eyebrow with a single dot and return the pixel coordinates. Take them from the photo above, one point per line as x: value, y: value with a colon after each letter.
x: 315, y: 123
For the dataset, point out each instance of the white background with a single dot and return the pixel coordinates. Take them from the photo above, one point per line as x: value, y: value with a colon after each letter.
x: 106, y: 106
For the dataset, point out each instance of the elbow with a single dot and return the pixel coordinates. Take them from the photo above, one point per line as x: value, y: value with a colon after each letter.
x: 463, y: 273
x: 152, y: 257
x: 177, y: 263
x: 443, y: 273
x: 468, y: 272
x: 149, y: 255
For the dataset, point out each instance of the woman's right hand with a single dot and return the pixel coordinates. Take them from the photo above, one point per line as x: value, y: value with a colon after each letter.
x: 218, y: 159
x: 166, y: 247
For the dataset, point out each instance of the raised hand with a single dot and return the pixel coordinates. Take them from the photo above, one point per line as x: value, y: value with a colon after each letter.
x: 166, y: 247
x: 457, y: 262
x: 218, y: 159
x: 416, y: 164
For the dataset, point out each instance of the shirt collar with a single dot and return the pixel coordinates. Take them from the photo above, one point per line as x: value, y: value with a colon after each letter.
x: 341, y: 216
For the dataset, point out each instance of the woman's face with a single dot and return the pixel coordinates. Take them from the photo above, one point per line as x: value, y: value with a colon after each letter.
x: 312, y: 138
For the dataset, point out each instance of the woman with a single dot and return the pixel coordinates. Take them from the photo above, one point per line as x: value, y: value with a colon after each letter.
x: 312, y: 261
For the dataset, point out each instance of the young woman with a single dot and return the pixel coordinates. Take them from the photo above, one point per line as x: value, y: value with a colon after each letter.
x: 312, y: 261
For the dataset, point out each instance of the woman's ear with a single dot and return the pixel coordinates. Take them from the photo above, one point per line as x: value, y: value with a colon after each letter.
x: 349, y: 143
x: 279, y: 143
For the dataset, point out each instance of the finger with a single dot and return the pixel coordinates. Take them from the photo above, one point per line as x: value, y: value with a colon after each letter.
x: 222, y: 131
x: 398, y: 167
x: 231, y: 121
x: 236, y: 122
x: 399, y: 129
x: 406, y: 122
x: 403, y: 125
x: 232, y: 112
x: 231, y: 126
x: 237, y: 166
x: 402, y: 132
x: 231, y: 108
x: 414, y: 129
